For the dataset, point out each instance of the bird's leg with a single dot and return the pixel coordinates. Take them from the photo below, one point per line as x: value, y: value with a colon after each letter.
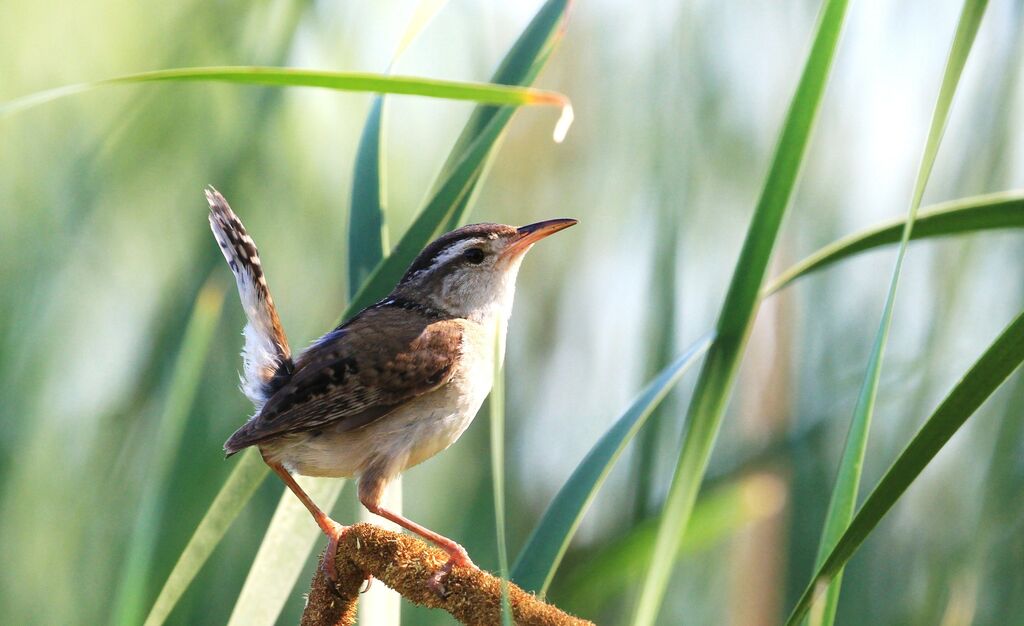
x: 331, y: 528
x: 371, y: 489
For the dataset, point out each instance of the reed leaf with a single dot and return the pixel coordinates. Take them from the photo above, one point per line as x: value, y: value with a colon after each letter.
x: 294, y: 77
x: 543, y: 552
x: 718, y: 372
x: 496, y: 404
x: 248, y: 473
x: 995, y: 365
x: 957, y: 217
x: 844, y: 493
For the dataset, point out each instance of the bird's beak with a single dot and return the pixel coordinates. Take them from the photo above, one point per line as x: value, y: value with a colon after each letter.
x: 530, y: 234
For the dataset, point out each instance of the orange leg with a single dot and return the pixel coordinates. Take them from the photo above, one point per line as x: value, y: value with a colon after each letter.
x: 331, y: 528
x: 458, y: 555
x: 371, y: 490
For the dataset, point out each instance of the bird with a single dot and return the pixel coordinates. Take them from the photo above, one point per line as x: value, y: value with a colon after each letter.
x: 392, y: 386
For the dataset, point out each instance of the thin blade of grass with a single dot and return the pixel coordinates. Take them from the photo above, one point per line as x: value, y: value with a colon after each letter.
x: 718, y: 514
x: 293, y: 77
x: 844, y: 494
x: 966, y: 215
x: 718, y: 372
x: 246, y: 476
x: 497, y: 409
x: 994, y: 366
x: 543, y: 552
x: 367, y: 228
x: 130, y: 602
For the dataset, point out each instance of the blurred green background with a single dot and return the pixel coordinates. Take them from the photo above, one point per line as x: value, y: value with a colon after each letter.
x: 104, y: 248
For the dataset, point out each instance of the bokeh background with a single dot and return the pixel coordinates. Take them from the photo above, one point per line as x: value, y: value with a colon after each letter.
x: 104, y: 248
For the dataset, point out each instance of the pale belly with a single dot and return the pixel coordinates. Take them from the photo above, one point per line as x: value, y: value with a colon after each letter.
x: 404, y: 438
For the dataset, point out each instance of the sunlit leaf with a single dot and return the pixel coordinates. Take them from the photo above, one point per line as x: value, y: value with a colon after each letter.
x: 289, y: 540
x: 718, y: 372
x: 844, y: 493
x: 292, y: 77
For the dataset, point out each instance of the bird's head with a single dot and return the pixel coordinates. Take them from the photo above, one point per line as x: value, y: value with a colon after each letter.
x: 471, y: 271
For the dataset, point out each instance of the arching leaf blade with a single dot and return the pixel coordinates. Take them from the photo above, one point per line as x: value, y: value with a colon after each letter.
x: 367, y: 229
x: 966, y: 215
x: 505, y: 95
x: 994, y: 366
x: 543, y: 552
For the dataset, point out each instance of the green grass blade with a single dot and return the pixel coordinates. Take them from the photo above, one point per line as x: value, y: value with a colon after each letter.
x: 546, y: 546
x: 367, y: 230
x: 246, y: 476
x: 292, y: 77
x: 844, y: 494
x: 720, y: 513
x: 717, y: 375
x: 1001, y: 358
x: 497, y: 409
x: 966, y: 215
x: 186, y: 375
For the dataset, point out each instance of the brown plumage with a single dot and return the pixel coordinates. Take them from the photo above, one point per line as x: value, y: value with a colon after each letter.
x: 358, y: 373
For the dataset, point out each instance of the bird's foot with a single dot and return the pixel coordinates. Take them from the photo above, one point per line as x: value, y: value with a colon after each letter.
x: 334, y: 532
x: 457, y: 556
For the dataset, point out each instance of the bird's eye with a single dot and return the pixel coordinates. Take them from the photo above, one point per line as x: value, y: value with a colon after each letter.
x: 474, y: 256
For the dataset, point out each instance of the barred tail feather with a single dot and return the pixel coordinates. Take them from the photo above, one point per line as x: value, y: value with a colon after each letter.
x: 266, y: 346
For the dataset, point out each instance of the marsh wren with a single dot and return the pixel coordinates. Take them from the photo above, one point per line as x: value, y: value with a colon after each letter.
x: 392, y: 386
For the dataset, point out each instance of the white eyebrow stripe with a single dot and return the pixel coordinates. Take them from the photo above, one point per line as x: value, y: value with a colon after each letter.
x: 453, y: 251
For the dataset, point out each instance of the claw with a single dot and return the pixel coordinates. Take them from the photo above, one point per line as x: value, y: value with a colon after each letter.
x: 457, y: 556
x: 369, y: 583
x: 437, y: 581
